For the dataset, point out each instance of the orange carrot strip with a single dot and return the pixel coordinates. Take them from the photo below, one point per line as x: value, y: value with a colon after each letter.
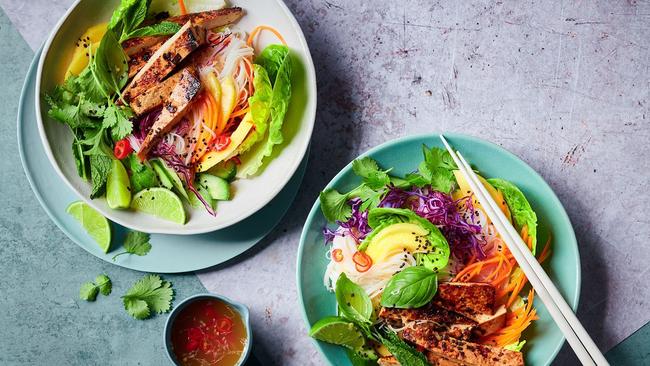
x: 181, y: 5
x: 260, y: 28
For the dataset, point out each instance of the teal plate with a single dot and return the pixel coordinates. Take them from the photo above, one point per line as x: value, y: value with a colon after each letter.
x: 403, y: 155
x: 169, y: 253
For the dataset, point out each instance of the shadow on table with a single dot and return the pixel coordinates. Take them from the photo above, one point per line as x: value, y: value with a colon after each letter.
x: 594, y: 293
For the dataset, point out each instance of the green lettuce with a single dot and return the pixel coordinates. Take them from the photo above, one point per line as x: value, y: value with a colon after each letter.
x: 522, y: 212
x: 260, y: 108
x: 276, y: 60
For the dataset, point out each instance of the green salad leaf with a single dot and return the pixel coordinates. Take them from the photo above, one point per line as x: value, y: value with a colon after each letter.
x: 520, y: 209
x: 413, y: 287
x: 276, y: 60
x: 260, y: 110
x: 110, y: 64
x: 353, y: 301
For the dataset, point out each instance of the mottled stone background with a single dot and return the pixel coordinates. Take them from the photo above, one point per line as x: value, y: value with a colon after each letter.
x: 562, y: 84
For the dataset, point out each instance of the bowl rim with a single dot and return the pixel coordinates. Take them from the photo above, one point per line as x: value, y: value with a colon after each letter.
x: 239, y: 307
x: 315, y: 210
x: 309, y: 115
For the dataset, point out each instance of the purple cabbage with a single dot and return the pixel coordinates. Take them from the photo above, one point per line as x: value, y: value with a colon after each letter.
x: 356, y: 226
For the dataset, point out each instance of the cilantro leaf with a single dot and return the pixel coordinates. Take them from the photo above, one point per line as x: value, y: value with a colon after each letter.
x: 370, y: 173
x: 104, y: 284
x: 370, y: 198
x: 436, y: 170
x: 335, y: 205
x: 136, y: 243
x: 88, y: 291
x: 117, y: 118
x: 149, y: 294
x: 137, y: 308
x: 100, y: 167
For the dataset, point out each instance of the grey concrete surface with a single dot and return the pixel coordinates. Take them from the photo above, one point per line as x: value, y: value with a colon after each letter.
x: 562, y: 84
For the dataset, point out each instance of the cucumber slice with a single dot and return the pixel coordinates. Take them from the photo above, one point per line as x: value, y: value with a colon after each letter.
x: 161, y: 173
x: 196, y: 203
x: 218, y: 187
x: 118, y: 186
x: 172, y: 177
x: 225, y: 170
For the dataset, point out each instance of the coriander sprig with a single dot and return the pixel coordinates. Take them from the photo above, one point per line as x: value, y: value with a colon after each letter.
x: 137, y: 243
x: 89, y: 290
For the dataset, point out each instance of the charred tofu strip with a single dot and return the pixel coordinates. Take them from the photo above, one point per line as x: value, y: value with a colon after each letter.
x: 205, y: 20
x: 174, y: 107
x: 138, y: 60
x: 465, y: 353
x: 153, y: 97
x: 468, y: 299
x: 488, y: 324
x: 441, y: 320
x: 165, y: 60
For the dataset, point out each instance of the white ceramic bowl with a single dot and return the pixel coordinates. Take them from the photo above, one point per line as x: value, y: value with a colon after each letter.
x: 250, y: 194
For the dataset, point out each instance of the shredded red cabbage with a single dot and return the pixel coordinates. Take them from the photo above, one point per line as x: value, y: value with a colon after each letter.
x: 356, y: 226
x: 438, y: 207
x: 144, y: 123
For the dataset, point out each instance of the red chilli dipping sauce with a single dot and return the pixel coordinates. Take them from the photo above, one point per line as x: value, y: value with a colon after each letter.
x: 208, y: 332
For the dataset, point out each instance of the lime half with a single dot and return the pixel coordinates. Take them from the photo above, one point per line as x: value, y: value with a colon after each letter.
x: 96, y: 225
x: 336, y: 330
x: 160, y: 202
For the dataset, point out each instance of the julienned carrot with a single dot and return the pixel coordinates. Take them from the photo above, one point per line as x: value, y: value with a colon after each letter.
x: 181, y: 5
x: 260, y: 28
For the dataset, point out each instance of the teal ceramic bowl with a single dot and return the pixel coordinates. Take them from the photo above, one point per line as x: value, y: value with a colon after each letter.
x: 403, y: 155
x: 240, y: 308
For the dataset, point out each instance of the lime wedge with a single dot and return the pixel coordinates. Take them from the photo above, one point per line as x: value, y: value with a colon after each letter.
x: 96, y: 225
x: 335, y: 330
x: 160, y: 202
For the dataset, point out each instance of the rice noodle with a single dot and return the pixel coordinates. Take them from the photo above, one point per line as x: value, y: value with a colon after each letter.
x: 373, y: 280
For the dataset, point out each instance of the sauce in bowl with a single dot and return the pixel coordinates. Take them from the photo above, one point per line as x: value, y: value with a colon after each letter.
x: 208, y: 332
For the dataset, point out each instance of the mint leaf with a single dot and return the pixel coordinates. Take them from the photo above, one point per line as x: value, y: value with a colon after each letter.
x: 104, y: 284
x: 160, y: 29
x: 100, y: 166
x: 88, y: 291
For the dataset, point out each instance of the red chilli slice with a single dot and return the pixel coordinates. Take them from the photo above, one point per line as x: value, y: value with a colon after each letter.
x: 362, y: 261
x: 337, y: 255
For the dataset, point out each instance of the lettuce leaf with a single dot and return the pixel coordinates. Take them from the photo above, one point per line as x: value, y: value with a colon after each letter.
x: 260, y: 108
x: 276, y: 61
x: 522, y: 213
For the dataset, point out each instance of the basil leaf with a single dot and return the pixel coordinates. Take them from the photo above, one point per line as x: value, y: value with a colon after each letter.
x: 522, y: 213
x: 411, y: 288
x: 110, y: 64
x: 353, y: 301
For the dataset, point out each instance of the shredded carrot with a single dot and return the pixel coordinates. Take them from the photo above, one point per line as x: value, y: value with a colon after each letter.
x: 260, y: 28
x: 181, y: 5
x: 240, y: 112
x: 516, y: 322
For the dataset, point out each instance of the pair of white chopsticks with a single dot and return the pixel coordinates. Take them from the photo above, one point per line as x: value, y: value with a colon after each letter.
x: 575, y: 333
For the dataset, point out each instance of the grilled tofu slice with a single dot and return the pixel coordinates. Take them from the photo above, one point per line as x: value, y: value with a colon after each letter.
x: 153, y: 97
x: 138, y: 60
x: 466, y: 353
x: 165, y: 60
x: 468, y: 299
x: 441, y: 320
x: 205, y: 20
x: 182, y: 94
x: 488, y: 324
